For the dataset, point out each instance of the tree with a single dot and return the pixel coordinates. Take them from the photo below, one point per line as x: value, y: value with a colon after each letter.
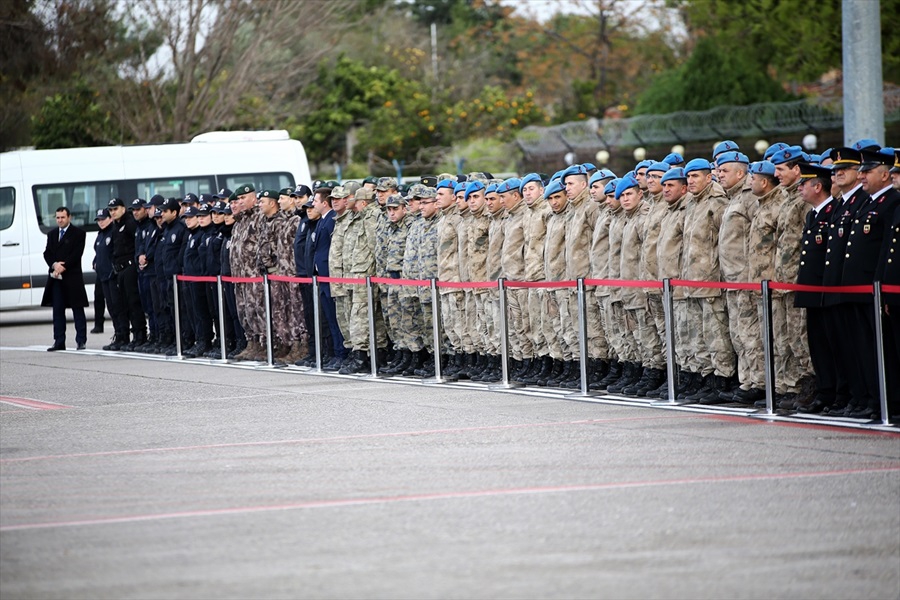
x: 710, y: 78
x: 71, y: 119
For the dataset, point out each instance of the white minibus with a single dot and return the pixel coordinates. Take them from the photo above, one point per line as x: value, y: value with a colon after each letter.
x: 34, y: 183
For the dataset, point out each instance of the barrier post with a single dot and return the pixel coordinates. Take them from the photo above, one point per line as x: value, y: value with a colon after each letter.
x: 177, y: 300
x: 267, y: 300
x: 220, y: 294
x: 768, y: 347
x: 669, y: 317
x: 436, y: 332
x: 582, y: 337
x: 505, y: 383
x: 879, y: 355
x: 373, y: 351
x: 317, y: 328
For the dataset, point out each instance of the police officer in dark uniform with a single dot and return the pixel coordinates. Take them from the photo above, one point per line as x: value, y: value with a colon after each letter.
x: 889, y: 275
x: 103, y: 265
x: 871, y: 225
x: 194, y: 292
x: 815, y: 190
x: 302, y: 243
x: 145, y: 228
x: 169, y: 258
x: 125, y: 267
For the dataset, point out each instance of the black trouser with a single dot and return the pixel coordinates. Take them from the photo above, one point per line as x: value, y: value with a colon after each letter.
x: 306, y: 294
x: 126, y: 280
x: 200, y: 313
x: 231, y: 317
x: 99, y: 305
x: 59, y: 301
x: 116, y: 309
x: 860, y: 337
x: 145, y: 291
x: 823, y: 356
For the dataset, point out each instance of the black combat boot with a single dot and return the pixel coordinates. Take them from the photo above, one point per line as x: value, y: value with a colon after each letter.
x: 415, y: 362
x: 612, y: 375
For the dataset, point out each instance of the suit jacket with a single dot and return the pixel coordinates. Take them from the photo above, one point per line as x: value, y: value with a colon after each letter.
x: 69, y: 250
x: 321, y: 248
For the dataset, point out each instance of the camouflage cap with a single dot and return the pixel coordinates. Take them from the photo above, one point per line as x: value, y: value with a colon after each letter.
x: 364, y: 194
x: 339, y: 192
x: 478, y: 176
x: 396, y: 200
x: 427, y: 192
x: 415, y: 190
x: 445, y: 176
x: 351, y: 186
x: 386, y: 183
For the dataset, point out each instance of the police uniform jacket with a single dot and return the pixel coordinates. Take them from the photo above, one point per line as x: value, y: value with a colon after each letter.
x: 170, y: 250
x: 322, y: 247
x: 836, y: 244
x: 870, y: 227
x: 192, y: 262
x: 103, y: 255
x: 123, y: 235
x: 813, y: 250
x: 300, y: 238
x: 888, y: 272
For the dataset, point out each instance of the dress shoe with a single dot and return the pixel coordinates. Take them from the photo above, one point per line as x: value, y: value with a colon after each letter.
x: 80, y: 346
x: 815, y: 407
x: 56, y: 347
x: 864, y: 413
x: 749, y: 396
x: 97, y: 329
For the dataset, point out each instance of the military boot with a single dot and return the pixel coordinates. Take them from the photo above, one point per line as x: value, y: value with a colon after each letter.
x: 415, y: 362
x: 612, y: 375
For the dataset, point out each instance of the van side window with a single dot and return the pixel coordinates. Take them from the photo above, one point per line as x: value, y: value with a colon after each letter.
x: 82, y: 200
x: 262, y: 181
x: 7, y: 207
x: 174, y: 187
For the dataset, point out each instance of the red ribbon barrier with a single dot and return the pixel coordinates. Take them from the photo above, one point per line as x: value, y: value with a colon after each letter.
x: 541, y: 284
x: 290, y: 279
x: 196, y: 278
x: 406, y: 282
x: 890, y: 289
x: 842, y: 289
x: 347, y: 280
x: 624, y: 283
x: 467, y: 285
x: 229, y: 279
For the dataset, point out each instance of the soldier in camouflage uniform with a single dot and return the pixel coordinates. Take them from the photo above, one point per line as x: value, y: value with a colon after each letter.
x: 467, y: 315
x: 668, y: 265
x: 340, y: 292
x: 512, y: 266
x: 394, y: 306
x: 452, y: 299
x: 792, y: 362
x: 611, y: 297
x: 477, y: 223
x: 384, y: 189
x: 700, y: 262
x: 244, y: 252
x: 272, y: 224
x: 762, y: 250
x: 555, y: 270
x: 598, y: 346
x: 734, y: 238
x: 495, y: 212
x: 426, y: 267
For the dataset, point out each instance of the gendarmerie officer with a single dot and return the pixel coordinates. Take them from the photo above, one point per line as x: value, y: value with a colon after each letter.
x: 888, y: 274
x: 814, y: 188
x: 870, y: 227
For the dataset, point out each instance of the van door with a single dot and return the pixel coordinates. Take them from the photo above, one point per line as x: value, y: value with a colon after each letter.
x: 15, y: 283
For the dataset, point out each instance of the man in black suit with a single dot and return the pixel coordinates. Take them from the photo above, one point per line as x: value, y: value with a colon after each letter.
x: 320, y: 251
x: 65, y: 284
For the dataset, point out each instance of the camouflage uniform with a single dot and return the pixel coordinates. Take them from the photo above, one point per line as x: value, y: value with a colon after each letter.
x: 734, y: 239
x: 411, y: 324
x: 359, y: 262
x: 492, y: 273
x: 427, y: 268
x: 555, y: 270
x: 452, y: 299
x: 762, y: 250
x: 279, y: 293
x: 244, y: 252
x: 394, y: 306
x: 792, y: 362
x: 477, y: 316
x: 512, y: 266
x: 598, y: 344
x: 639, y: 322
x: 340, y: 292
x: 466, y: 324
x: 617, y: 334
x: 650, y: 272
x: 668, y: 265
x: 535, y: 230
x: 700, y: 262
x: 580, y: 222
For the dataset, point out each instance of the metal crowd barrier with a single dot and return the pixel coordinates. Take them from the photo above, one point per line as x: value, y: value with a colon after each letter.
x: 765, y: 289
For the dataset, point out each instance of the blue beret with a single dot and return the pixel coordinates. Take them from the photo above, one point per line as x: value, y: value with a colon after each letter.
x: 490, y: 189
x: 826, y: 154
x: 611, y: 186
x: 726, y: 146
x: 459, y: 187
x: 815, y: 158
x: 773, y: 149
x: 697, y: 164
x: 624, y: 184
x: 589, y: 166
x: 531, y: 177
x: 673, y: 173
x: 642, y: 164
x: 763, y: 167
x: 473, y: 186
x: 674, y: 159
x: 607, y: 173
x: 732, y: 156
x: 600, y: 176
x: 557, y: 175
x: 866, y: 144
x: 786, y: 155
x: 573, y: 170
x: 513, y: 184
x: 628, y: 174
x: 445, y: 183
x: 658, y: 166
x: 553, y: 188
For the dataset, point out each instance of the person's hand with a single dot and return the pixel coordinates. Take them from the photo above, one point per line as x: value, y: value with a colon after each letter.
x: 59, y: 267
x: 142, y: 260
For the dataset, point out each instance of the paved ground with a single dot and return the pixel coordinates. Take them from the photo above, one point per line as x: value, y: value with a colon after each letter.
x: 163, y: 479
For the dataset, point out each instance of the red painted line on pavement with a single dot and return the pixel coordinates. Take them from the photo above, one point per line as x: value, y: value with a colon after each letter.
x: 32, y: 404
x: 340, y: 438
x: 820, y: 425
x: 339, y: 503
